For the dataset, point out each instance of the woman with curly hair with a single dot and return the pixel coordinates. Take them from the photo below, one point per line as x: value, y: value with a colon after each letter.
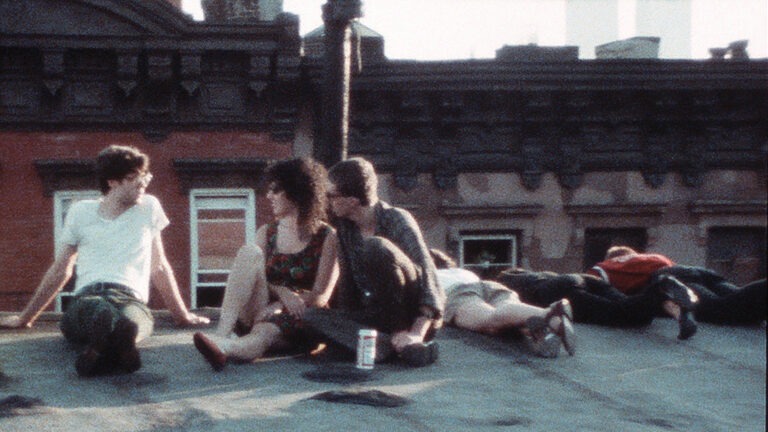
x: 291, y: 267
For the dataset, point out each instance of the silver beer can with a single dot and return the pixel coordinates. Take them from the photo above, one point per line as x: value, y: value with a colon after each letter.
x: 366, y: 348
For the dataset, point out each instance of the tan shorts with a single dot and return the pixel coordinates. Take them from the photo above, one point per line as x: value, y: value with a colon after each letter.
x: 490, y: 292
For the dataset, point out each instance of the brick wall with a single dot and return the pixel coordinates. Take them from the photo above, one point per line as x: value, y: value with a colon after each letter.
x: 26, y: 244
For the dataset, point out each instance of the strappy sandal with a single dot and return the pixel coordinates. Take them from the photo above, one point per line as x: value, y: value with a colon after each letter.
x: 541, y: 340
x: 562, y: 309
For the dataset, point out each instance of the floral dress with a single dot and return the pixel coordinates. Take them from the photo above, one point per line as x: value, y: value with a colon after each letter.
x: 296, y: 271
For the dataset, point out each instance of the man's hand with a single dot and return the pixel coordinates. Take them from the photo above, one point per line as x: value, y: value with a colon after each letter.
x: 13, y: 321
x: 402, y: 339
x: 192, y: 320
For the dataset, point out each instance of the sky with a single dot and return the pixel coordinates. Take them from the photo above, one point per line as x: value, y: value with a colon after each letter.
x: 464, y: 29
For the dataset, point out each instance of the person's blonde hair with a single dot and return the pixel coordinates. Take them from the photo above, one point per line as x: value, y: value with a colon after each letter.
x: 617, y: 251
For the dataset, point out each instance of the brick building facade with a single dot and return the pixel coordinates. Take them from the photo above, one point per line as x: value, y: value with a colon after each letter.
x: 518, y: 160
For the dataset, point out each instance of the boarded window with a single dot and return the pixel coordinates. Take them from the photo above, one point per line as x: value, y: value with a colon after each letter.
x: 738, y: 253
x: 221, y: 221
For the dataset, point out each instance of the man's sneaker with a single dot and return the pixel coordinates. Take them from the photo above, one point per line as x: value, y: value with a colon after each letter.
x: 420, y: 354
x: 677, y: 292
x: 685, y: 299
x: 122, y: 346
x: 92, y: 361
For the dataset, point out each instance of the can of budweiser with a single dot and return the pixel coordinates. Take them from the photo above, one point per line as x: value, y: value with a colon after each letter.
x: 366, y: 348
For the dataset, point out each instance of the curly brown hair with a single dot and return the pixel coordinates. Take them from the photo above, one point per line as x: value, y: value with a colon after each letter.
x: 304, y: 182
x: 117, y: 162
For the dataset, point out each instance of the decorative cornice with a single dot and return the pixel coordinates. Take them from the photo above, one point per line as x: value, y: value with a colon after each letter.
x: 209, y: 173
x: 616, y: 210
x: 712, y: 207
x: 462, y: 211
x: 66, y: 174
x: 170, y: 72
x: 569, y: 118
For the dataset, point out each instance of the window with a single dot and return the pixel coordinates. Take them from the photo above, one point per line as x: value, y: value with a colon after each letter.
x: 598, y: 240
x: 488, y: 252
x: 737, y: 253
x: 221, y: 221
x: 62, y: 202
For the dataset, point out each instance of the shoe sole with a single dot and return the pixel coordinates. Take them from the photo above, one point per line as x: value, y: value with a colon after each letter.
x: 124, y: 345
x: 542, y: 341
x: 549, y: 347
x: 687, y: 327
x: 91, y: 361
x: 568, y: 335
x: 420, y: 355
x: 88, y: 362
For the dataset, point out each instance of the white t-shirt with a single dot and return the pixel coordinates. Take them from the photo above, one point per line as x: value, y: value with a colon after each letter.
x: 118, y: 250
x: 450, y: 278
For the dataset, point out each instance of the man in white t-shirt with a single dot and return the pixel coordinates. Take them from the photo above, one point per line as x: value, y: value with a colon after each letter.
x: 116, y: 246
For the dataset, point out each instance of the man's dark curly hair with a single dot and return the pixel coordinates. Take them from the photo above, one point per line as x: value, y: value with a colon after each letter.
x: 304, y: 182
x: 116, y: 162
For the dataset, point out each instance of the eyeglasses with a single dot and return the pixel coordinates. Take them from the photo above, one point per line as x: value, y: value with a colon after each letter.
x: 144, y: 177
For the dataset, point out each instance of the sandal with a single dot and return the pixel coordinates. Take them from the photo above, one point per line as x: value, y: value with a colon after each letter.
x: 562, y: 309
x: 541, y: 340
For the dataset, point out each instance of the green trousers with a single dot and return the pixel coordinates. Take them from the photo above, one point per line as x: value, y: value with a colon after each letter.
x: 92, y: 315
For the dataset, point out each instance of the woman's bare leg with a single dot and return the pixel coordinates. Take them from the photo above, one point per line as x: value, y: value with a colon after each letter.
x: 252, y: 346
x: 477, y: 315
x: 246, y: 292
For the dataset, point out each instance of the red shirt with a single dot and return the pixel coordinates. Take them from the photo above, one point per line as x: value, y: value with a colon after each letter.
x: 630, y: 273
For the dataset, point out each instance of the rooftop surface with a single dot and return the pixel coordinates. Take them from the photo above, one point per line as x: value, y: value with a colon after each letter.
x: 620, y: 380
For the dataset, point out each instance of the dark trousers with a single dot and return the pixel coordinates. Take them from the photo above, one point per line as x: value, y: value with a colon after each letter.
x: 92, y: 315
x: 594, y: 301
x: 721, y: 302
x: 389, y: 304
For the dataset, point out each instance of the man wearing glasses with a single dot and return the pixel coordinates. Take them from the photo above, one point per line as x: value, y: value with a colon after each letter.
x: 387, y: 279
x: 116, y: 245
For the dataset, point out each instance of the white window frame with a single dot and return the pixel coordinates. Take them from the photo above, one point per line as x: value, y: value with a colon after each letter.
x: 216, y: 199
x: 512, y: 237
x: 59, y: 215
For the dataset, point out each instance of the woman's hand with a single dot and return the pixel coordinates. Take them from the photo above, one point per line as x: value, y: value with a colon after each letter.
x: 292, y: 302
x: 269, y: 310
